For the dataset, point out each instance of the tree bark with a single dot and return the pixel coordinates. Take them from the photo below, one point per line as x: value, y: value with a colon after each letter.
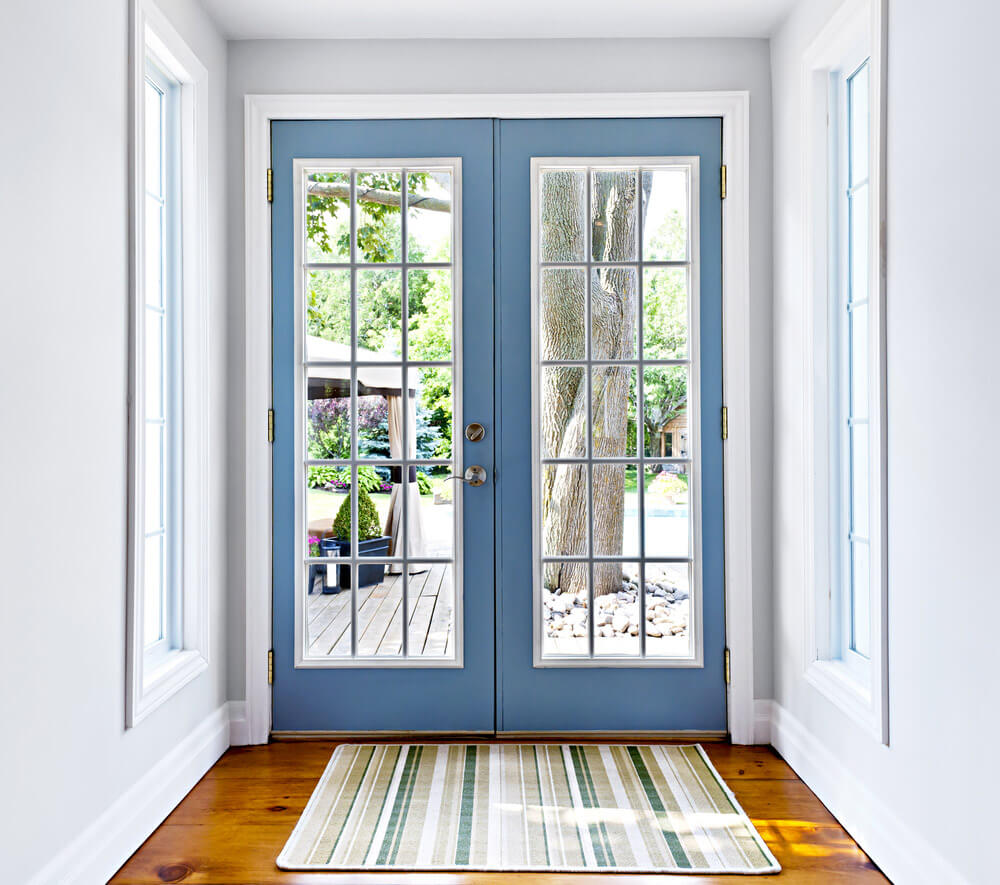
x: 377, y: 195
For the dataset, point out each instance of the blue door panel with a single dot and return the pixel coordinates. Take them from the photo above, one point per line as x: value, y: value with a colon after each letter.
x: 358, y: 699
x: 616, y: 699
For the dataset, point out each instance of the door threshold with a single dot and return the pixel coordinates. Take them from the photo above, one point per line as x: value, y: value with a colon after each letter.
x: 505, y: 736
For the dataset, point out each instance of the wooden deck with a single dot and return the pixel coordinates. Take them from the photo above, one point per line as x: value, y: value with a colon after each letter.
x: 430, y: 598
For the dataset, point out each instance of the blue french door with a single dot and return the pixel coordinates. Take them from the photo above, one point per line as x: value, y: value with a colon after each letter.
x: 576, y: 582
x: 609, y: 374
x: 383, y: 585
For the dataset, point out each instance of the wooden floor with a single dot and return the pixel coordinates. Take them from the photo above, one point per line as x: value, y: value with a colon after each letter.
x: 380, y: 616
x: 233, y: 824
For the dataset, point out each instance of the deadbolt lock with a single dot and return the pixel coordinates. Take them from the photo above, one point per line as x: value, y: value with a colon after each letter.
x: 475, y: 432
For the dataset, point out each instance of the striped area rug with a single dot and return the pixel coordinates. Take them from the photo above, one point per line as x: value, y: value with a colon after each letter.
x: 524, y: 807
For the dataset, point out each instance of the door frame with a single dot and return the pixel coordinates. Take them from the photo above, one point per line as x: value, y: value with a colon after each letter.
x: 734, y: 109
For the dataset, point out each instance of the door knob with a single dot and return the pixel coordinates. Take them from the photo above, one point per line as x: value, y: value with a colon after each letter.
x: 475, y: 432
x: 474, y: 475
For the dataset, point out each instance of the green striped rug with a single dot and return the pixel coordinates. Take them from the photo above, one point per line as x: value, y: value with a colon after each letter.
x: 524, y: 807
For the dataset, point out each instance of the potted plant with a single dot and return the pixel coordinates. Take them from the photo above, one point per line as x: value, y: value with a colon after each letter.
x: 371, y: 541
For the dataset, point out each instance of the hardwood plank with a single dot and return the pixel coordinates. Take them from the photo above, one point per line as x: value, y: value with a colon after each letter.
x: 379, y: 612
x: 233, y: 824
x: 439, y: 635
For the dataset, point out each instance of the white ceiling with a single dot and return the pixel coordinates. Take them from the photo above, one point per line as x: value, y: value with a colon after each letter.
x: 262, y: 19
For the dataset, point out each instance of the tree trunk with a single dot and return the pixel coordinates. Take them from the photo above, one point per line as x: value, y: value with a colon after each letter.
x: 614, y: 307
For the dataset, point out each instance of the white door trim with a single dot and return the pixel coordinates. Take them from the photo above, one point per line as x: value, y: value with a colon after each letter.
x: 732, y: 107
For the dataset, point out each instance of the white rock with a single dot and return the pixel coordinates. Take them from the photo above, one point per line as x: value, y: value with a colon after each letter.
x: 620, y: 622
x: 653, y: 630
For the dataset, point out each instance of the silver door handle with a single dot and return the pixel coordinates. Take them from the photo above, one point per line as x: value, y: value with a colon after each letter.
x: 474, y: 475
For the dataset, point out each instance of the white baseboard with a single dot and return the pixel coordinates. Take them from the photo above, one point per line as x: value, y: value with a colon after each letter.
x: 239, y: 728
x: 97, y: 853
x: 902, y: 855
x: 762, y: 722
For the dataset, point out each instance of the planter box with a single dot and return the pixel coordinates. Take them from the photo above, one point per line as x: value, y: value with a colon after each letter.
x: 367, y: 574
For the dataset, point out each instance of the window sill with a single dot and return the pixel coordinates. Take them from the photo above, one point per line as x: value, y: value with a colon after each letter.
x: 175, y: 671
x: 839, y: 685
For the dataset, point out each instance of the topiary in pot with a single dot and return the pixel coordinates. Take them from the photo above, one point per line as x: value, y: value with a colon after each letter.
x: 371, y: 541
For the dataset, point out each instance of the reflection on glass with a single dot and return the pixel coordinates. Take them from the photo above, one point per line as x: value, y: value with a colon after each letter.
x: 328, y: 217
x: 614, y: 294
x: 859, y: 361
x: 665, y: 313
x: 617, y: 608
x: 668, y: 609
x: 667, y: 507
x: 615, y: 508
x: 154, y: 477
x: 565, y: 607
x: 664, y: 236
x: 859, y: 480
x: 665, y: 415
x: 152, y: 600
x: 612, y: 410
x: 430, y: 314
x: 563, y: 312
x: 861, y: 599
x: 379, y: 231
x: 564, y: 422
x: 428, y: 216
x: 613, y: 209
x: 430, y: 595
x: 563, y: 209
x: 564, y: 510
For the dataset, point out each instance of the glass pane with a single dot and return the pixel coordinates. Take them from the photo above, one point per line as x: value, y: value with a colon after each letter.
x: 613, y: 411
x: 379, y: 232
x: 380, y: 315
x: 154, y: 364
x: 860, y: 599
x: 328, y: 609
x: 859, y: 101
x: 667, y: 511
x: 430, y: 314
x: 431, y: 518
x: 154, y: 137
x: 379, y: 405
x: 380, y: 610
x: 859, y: 361
x: 428, y: 216
x: 664, y: 234
x: 564, y: 510
x: 859, y: 480
x: 152, y: 599
x: 328, y: 217
x: 613, y: 209
x: 859, y: 244
x: 563, y: 412
x: 665, y: 394
x: 615, y: 508
x: 430, y: 593
x: 616, y: 608
x: 328, y: 414
x: 665, y: 313
x: 563, y: 313
x: 431, y: 410
x: 564, y: 608
x: 614, y: 300
x: 562, y: 212
x: 154, y: 478
x: 328, y: 315
x: 153, y: 255
x: 328, y: 512
x: 668, y: 609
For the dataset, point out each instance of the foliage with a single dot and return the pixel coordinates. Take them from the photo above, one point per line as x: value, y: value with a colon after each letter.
x: 314, y: 545
x: 339, y: 478
x: 322, y: 477
x: 424, y: 483
x: 368, y: 522
x: 671, y: 484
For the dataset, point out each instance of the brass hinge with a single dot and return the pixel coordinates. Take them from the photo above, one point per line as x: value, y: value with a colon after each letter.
x: 726, y: 665
x: 270, y: 187
x: 270, y: 425
x: 270, y: 667
x: 723, y: 182
x: 725, y: 423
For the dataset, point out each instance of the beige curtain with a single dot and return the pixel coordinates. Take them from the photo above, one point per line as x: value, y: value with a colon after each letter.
x: 394, y: 518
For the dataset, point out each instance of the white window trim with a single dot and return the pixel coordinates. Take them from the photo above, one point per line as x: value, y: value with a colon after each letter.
x: 146, y: 689
x: 303, y: 659
x: 861, y: 695
x: 695, y: 657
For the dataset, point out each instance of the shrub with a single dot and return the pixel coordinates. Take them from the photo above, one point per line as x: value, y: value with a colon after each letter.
x: 424, y: 484
x: 368, y: 522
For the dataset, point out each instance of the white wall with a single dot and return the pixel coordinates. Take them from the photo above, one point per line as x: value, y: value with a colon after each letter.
x: 316, y: 66
x: 923, y: 807
x: 64, y: 754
